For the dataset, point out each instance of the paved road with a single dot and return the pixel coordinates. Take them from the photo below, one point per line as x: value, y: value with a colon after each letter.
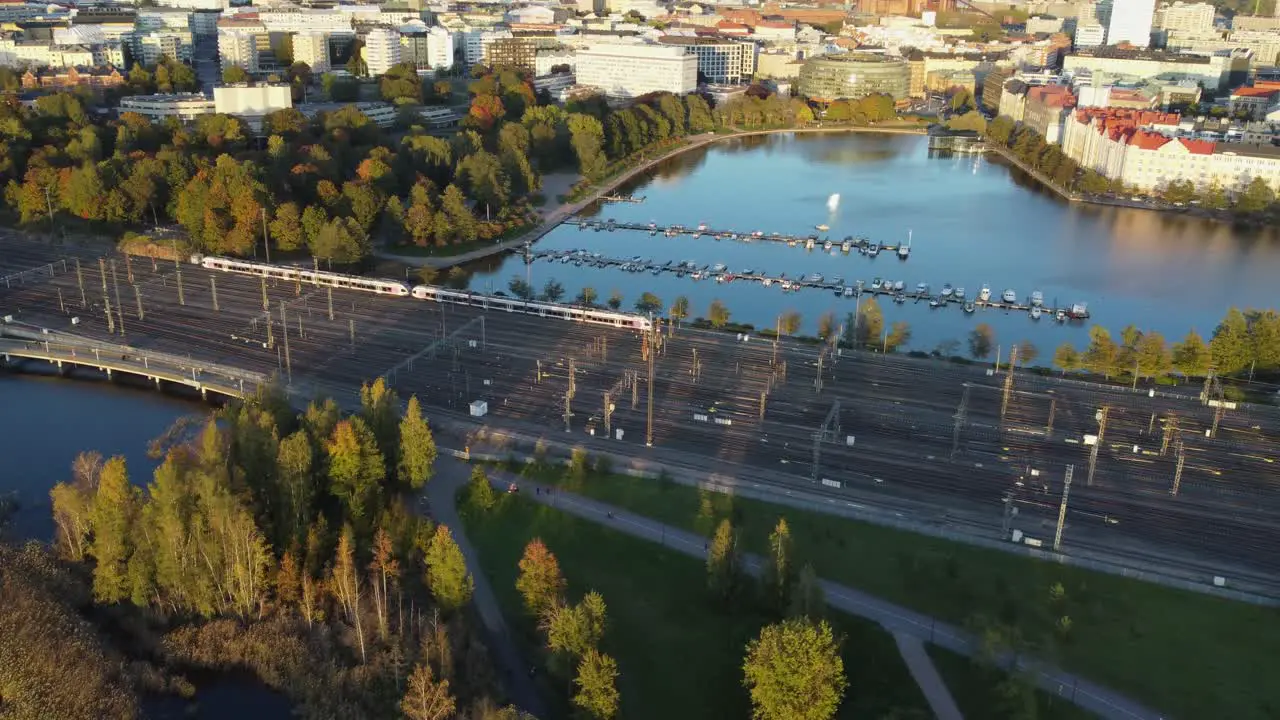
x: 442, y: 491
x: 893, y: 618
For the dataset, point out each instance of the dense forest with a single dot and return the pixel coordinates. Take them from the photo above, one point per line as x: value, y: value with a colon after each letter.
x: 333, y: 185
x: 265, y: 541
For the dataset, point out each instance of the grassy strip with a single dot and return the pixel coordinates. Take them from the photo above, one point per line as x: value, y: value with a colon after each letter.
x: 981, y: 691
x: 1198, y: 655
x: 678, y: 657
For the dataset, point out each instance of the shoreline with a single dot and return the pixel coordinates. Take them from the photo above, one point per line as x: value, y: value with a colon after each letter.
x: 556, y: 217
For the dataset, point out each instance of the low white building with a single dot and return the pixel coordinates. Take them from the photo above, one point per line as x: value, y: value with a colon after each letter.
x: 251, y: 103
x: 183, y: 106
x: 545, y: 60
x: 383, y: 114
x: 1090, y: 35
x: 624, y: 71
x: 39, y: 54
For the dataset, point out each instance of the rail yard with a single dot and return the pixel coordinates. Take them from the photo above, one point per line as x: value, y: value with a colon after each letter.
x: 1176, y: 477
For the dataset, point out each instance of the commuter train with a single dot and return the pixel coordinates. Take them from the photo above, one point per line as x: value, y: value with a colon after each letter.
x: 572, y: 313
x: 306, y: 275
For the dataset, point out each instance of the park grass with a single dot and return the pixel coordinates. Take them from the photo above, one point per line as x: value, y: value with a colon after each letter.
x: 1185, y: 653
x: 977, y: 690
x: 678, y: 656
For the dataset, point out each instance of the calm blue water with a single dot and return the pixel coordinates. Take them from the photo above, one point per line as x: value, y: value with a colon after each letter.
x: 972, y: 221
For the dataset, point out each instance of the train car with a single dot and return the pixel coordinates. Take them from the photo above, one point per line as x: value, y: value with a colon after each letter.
x: 572, y: 313
x: 312, y: 277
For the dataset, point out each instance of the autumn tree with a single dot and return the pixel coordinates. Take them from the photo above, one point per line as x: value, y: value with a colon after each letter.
x: 899, y: 335
x: 981, y: 338
x: 789, y: 322
x: 870, y: 322
x: 296, y: 486
x: 597, y: 683
x: 1102, y: 353
x: 572, y: 630
x: 718, y: 314
x: 1230, y: 344
x: 778, y: 573
x: 417, y: 456
x: 427, y: 698
x: 115, y: 507
x: 447, y: 575
x: 384, y: 574
x: 1191, y: 357
x: 356, y: 470
x: 540, y: 582
x: 344, y: 583
x: 794, y: 671
x: 679, y: 309
x: 1027, y: 353
x: 1066, y: 357
x: 723, y: 563
x: 73, y: 506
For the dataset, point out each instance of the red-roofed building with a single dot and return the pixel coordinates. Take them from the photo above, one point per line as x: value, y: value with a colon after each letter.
x: 1046, y: 109
x: 724, y: 27
x: 1254, y: 101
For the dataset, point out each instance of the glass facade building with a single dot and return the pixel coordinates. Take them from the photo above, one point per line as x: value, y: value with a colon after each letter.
x: 829, y: 78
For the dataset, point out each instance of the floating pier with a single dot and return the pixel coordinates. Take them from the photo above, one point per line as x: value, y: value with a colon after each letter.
x: 837, y: 285
x: 861, y: 245
x: 621, y: 199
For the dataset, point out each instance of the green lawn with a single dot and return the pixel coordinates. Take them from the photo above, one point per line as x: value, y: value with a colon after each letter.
x: 1180, y: 652
x: 978, y: 692
x: 678, y: 657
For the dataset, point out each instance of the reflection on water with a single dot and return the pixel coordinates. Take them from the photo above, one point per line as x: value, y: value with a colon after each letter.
x: 972, y: 220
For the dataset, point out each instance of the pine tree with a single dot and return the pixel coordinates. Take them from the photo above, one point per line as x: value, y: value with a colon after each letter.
x: 723, y: 563
x: 480, y: 490
x: 380, y: 407
x: 112, y: 521
x: 540, y: 583
x: 597, y: 683
x: 356, y: 470
x: 776, y: 578
x: 447, y: 575
x: 1230, y: 346
x: 417, y: 447
x: 807, y: 597
x: 1191, y: 356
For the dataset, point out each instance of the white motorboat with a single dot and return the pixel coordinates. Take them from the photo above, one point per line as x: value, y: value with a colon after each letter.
x: 969, y: 307
x: 766, y: 282
x: 822, y: 228
x: 876, y: 284
x: 899, y: 285
x: 873, y: 249
x: 1061, y: 316
x: 717, y: 268
x: 922, y: 288
x: 814, y: 278
x: 946, y: 290
x: 985, y: 293
x: 1037, y: 298
x: 1009, y: 296
x: 959, y: 293
x: 1036, y: 312
x: 935, y: 303
x: 827, y: 245
x: 848, y: 292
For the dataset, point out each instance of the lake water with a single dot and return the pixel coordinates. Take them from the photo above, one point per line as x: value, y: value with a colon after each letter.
x: 971, y: 219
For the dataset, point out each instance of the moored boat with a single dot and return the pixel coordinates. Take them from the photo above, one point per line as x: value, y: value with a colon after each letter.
x: 985, y: 293
x: 946, y: 290
x: 959, y: 293
x: 1037, y: 298
x: 1009, y: 296
x: 1036, y: 312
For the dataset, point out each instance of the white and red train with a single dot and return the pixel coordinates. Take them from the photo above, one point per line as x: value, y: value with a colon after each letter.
x: 573, y: 313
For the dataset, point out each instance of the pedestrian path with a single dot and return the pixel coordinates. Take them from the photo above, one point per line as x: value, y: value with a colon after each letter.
x: 893, y: 618
x: 921, y: 666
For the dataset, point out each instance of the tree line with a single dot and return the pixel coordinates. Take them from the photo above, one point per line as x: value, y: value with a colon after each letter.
x: 262, y: 526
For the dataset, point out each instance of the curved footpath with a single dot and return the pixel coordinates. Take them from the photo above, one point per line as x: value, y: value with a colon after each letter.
x: 553, y: 219
x: 910, y: 629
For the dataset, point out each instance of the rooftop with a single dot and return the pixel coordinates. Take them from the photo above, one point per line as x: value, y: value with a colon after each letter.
x: 1115, y: 53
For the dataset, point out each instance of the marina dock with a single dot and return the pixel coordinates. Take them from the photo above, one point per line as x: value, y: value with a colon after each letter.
x: 895, y: 290
x: 621, y: 199
x: 861, y: 245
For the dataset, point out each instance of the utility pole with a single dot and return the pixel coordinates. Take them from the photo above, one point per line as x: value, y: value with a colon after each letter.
x: 284, y: 327
x: 567, y: 412
x: 817, y: 381
x: 352, y: 324
x: 115, y: 284
x: 106, y: 299
x: 608, y: 415
x: 1170, y: 427
x: 1062, y: 509
x: 826, y: 432
x: 266, y: 306
x: 1093, y: 452
x: 137, y: 295
x: 573, y: 375
x: 1053, y: 408
x: 128, y: 266
x: 213, y: 287
x: 271, y: 340
x: 80, y: 281
x: 961, y: 413
x: 1177, y: 470
x: 61, y: 306
x: 634, y: 379
x: 266, y: 245
x: 330, y: 303
x: 648, y: 438
x: 1008, y: 381
x: 763, y: 398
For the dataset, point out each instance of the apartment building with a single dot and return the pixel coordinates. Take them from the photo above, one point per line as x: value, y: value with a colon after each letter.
x: 312, y: 48
x: 1213, y: 70
x: 475, y: 40
x: 381, y: 50
x: 624, y: 71
x: 149, y: 48
x: 1131, y: 22
x: 1046, y: 109
x: 517, y: 52
x: 252, y: 103
x: 1185, y: 17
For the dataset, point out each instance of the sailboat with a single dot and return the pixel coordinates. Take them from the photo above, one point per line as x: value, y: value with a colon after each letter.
x: 905, y: 250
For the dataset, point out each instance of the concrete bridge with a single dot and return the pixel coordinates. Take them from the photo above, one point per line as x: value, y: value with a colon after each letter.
x: 66, y: 352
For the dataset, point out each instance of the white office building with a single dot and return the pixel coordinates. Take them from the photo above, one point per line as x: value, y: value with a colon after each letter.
x: 294, y: 20
x: 1131, y: 22
x: 381, y: 50
x: 441, y: 45
x: 1181, y: 17
x: 475, y: 40
x: 149, y: 48
x: 218, y: 5
x: 545, y: 60
x: 312, y: 48
x: 624, y: 71
x: 183, y: 106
